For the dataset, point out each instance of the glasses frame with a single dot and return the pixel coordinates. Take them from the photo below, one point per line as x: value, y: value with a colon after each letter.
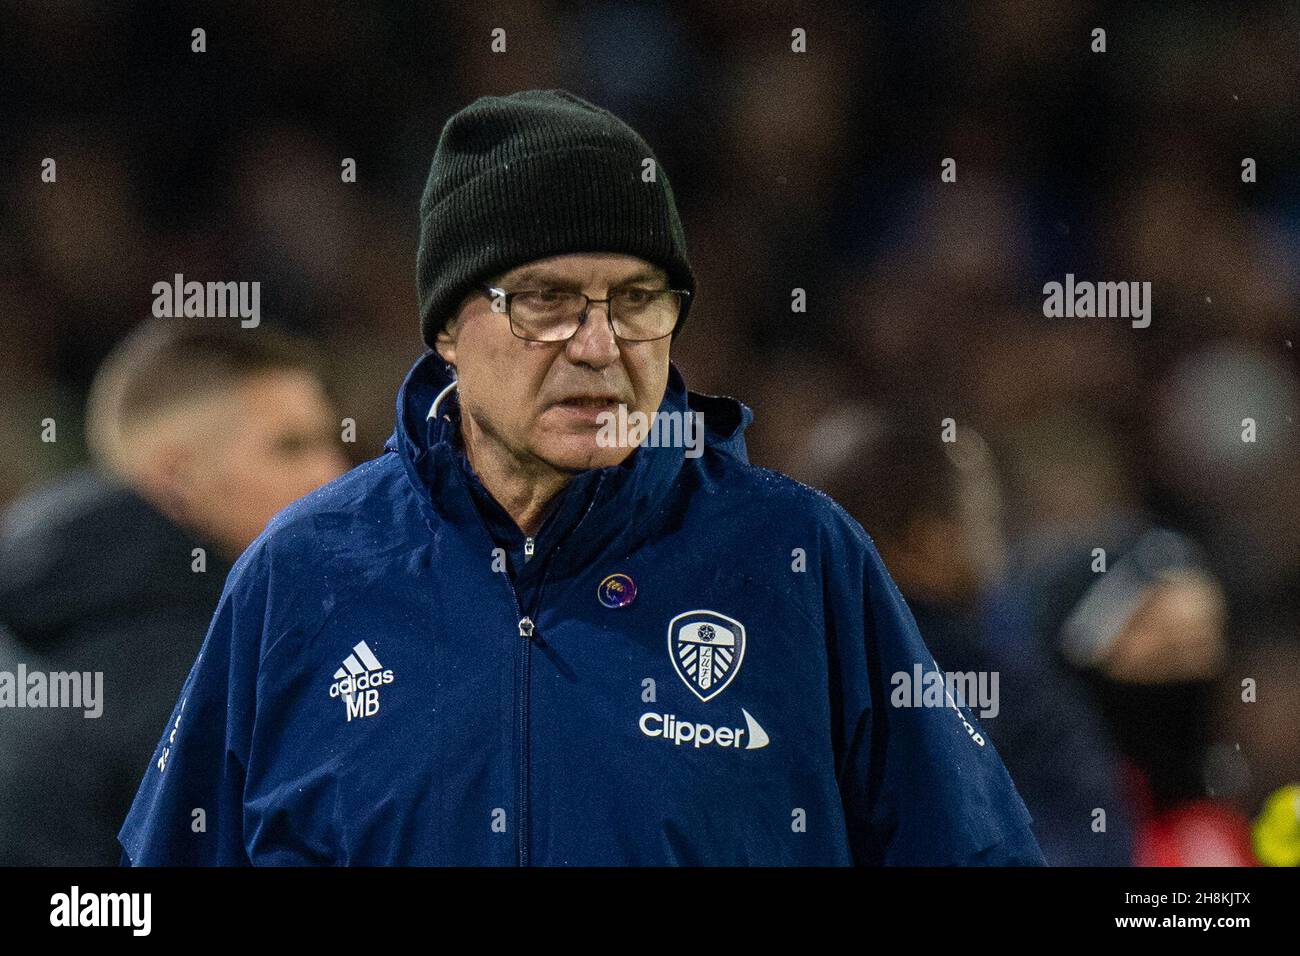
x: 495, y: 292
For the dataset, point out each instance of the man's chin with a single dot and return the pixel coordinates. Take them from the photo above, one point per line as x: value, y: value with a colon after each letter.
x: 581, y: 453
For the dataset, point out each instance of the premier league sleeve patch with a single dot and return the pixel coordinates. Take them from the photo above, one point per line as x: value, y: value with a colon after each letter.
x: 706, y: 649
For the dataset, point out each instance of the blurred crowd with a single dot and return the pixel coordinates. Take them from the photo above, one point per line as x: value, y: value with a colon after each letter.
x: 1175, y: 685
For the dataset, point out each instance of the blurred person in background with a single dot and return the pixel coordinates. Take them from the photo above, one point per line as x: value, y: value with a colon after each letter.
x: 1134, y: 609
x: 201, y: 433
x: 934, y: 509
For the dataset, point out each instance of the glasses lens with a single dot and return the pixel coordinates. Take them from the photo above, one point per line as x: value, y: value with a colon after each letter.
x: 642, y: 314
x: 546, y: 316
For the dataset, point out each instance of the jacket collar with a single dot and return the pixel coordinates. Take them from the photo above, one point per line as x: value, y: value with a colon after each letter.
x: 621, y: 501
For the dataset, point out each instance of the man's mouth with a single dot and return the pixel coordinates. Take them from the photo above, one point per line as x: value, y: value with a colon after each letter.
x: 586, y: 411
x: 589, y: 401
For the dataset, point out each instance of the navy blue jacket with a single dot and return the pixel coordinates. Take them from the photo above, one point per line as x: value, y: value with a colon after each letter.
x: 692, y: 666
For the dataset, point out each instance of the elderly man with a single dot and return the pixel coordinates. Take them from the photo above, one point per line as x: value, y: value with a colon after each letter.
x: 511, y: 641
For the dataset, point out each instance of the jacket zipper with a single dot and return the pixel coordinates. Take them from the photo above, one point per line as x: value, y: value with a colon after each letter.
x: 521, y: 796
x: 527, y: 637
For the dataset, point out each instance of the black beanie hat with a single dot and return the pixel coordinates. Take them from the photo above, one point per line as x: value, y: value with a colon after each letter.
x: 535, y: 174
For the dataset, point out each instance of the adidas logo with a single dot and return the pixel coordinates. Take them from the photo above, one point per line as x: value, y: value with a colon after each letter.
x: 358, y: 682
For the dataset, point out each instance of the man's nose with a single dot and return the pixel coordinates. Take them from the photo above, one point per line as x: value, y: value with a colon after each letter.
x: 594, y: 343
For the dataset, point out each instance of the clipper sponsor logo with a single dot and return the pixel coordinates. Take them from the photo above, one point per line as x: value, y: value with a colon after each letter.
x: 358, y: 682
x: 670, y: 727
x: 74, y: 908
x: 706, y: 649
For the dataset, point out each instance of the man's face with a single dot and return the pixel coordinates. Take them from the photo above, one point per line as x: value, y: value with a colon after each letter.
x: 268, y: 442
x: 542, y: 402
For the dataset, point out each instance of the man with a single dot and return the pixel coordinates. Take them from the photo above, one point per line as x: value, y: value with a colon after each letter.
x: 934, y: 510
x: 1148, y: 639
x: 201, y: 434
x: 504, y: 642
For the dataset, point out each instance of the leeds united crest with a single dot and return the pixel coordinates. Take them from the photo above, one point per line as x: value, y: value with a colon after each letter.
x: 706, y: 649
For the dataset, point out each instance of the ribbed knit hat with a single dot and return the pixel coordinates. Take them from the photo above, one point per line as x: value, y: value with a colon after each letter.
x: 535, y: 174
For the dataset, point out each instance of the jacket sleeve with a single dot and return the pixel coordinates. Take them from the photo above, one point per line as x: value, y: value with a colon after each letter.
x: 922, y: 785
x: 188, y: 810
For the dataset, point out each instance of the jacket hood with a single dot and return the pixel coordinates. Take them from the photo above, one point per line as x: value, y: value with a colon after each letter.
x: 637, y: 486
x: 85, y: 549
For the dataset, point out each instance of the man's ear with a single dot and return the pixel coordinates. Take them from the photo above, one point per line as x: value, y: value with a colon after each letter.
x: 445, y: 345
x: 168, y: 478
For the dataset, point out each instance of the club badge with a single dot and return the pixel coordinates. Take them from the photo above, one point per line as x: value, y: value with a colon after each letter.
x: 706, y: 650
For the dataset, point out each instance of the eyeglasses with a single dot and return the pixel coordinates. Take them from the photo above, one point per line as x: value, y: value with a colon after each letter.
x: 551, y: 315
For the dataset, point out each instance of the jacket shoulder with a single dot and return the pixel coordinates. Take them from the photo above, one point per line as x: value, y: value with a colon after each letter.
x: 312, y: 553
x: 774, y: 495
x: 352, y: 492
x: 352, y: 514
